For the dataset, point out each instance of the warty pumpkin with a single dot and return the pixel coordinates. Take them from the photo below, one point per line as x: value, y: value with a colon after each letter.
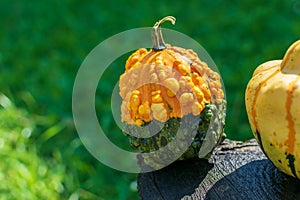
x: 273, y: 107
x: 170, y: 86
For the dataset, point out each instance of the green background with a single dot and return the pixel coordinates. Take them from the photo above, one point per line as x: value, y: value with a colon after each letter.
x: 42, y: 45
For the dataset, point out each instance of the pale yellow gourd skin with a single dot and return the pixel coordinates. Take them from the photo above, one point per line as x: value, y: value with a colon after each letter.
x: 273, y: 107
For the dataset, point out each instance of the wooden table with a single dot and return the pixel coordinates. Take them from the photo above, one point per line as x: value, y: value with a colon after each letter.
x: 235, y: 170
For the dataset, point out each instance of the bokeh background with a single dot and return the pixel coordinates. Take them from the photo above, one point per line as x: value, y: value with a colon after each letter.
x: 42, y: 45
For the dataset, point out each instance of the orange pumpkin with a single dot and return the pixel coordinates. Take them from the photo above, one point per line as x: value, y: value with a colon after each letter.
x: 170, y: 86
x: 166, y: 82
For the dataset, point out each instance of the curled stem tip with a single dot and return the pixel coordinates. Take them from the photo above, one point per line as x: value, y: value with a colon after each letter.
x: 157, y: 38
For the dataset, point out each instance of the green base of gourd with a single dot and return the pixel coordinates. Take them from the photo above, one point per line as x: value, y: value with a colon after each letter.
x: 205, y: 130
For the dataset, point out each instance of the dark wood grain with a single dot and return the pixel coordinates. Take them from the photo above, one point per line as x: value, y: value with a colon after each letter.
x: 235, y: 170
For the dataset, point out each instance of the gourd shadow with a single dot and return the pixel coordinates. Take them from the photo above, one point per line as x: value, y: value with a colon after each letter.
x: 179, y: 175
x: 258, y: 179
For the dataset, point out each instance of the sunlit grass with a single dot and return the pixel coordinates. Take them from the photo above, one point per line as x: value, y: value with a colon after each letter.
x: 35, y: 165
x: 23, y: 173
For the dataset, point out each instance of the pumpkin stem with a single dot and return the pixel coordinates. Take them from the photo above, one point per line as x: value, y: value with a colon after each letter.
x: 157, y: 38
x: 291, y: 61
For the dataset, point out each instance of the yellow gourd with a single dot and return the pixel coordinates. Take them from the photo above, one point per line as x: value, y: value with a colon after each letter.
x: 273, y: 107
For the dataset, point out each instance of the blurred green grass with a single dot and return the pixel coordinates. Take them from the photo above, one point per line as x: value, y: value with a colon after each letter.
x: 43, y: 43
